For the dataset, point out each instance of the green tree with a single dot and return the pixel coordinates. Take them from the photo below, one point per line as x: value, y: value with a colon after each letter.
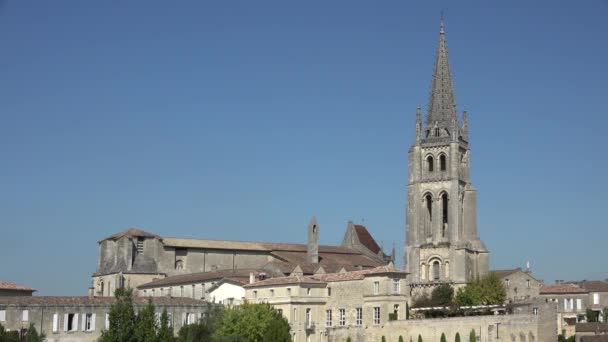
x: 492, y: 289
x: 442, y: 339
x: 457, y: 338
x: 472, y: 337
x: 122, y: 318
x: 442, y: 295
x: 348, y: 339
x: 419, y: 338
x: 468, y: 295
x: 32, y: 335
x: 400, y: 338
x: 165, y: 330
x: 145, y: 325
x: 593, y: 316
x: 251, y: 322
x: 8, y: 336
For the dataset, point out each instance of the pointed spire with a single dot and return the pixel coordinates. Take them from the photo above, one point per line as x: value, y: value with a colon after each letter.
x: 418, y: 125
x: 442, y: 103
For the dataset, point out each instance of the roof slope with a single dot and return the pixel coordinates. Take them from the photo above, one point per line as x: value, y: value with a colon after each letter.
x: 201, y: 277
x: 593, y: 285
x: 366, y: 238
x: 562, y: 288
x: 8, y: 286
x: 131, y: 233
x: 86, y: 300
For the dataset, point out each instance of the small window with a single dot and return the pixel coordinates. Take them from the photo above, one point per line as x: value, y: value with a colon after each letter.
x: 271, y: 292
x: 280, y: 311
x: 308, y: 318
x: 507, y: 283
x: 443, y: 165
x: 308, y: 291
x: 596, y: 299
x: 70, y: 322
x: 25, y: 316
x: 2, y: 315
x: 328, y: 318
x: 107, y: 324
x: 193, y: 291
x: 289, y: 291
x: 342, y: 317
x: 376, y: 315
x: 396, y: 286
x: 376, y: 287
x: 329, y: 292
x: 255, y: 294
x: 429, y: 163
x: 89, y: 322
x: 396, y: 311
x: 535, y: 311
x: 359, y: 316
x: 528, y: 283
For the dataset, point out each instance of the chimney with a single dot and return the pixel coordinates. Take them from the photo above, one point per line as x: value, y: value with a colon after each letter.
x: 312, y: 250
x: 251, y: 278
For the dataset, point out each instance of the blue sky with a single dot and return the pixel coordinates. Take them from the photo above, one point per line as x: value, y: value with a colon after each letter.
x: 242, y: 119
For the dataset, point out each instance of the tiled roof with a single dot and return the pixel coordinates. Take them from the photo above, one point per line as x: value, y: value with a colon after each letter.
x: 592, y: 327
x: 366, y: 238
x: 131, y: 233
x: 354, y: 258
x: 561, y: 288
x: 330, y: 277
x: 84, y: 300
x: 8, y: 286
x: 594, y: 338
x: 505, y: 273
x: 200, y: 277
x: 593, y: 285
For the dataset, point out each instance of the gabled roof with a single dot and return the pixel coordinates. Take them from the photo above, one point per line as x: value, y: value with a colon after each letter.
x: 131, y: 233
x: 8, y: 286
x: 366, y: 238
x: 86, y: 300
x: 562, y: 288
x: 505, y: 273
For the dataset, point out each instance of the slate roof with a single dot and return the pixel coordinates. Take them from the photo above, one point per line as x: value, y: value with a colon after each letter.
x: 366, y: 238
x: 131, y: 233
x: 201, y: 277
x: 91, y: 301
x: 8, y: 286
x: 562, y: 288
x: 593, y: 327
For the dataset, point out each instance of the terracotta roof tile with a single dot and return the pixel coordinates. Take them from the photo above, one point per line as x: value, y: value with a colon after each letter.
x: 131, y: 233
x: 593, y: 285
x: 366, y: 238
x: 330, y: 277
x: 200, y: 277
x: 592, y: 327
x: 562, y: 288
x: 286, y: 280
x: 8, y: 286
x: 85, y: 300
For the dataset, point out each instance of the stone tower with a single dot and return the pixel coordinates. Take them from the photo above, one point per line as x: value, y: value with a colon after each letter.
x: 442, y: 243
x: 312, y: 247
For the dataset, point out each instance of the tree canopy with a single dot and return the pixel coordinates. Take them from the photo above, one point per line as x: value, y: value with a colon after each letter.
x: 486, y: 291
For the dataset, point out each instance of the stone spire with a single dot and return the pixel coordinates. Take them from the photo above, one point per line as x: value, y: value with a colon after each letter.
x: 418, y: 126
x: 442, y: 104
x: 312, y: 248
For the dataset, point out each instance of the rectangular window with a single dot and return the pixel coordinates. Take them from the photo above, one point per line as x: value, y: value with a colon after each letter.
x: 255, y: 294
x: 528, y: 283
x: 2, y: 315
x: 596, y: 299
x: 308, y: 291
x: 579, y: 304
x: 70, y: 322
x: 271, y: 292
x: 376, y: 287
x: 329, y: 292
x: 89, y: 322
x: 376, y: 315
x: 342, y: 316
x: 55, y: 323
x: 25, y: 316
x: 328, y: 318
x: 535, y: 311
x: 181, y: 291
x: 396, y: 286
x: 289, y: 291
x: 507, y: 283
x: 308, y: 318
x: 295, y: 314
x: 107, y: 324
x: 359, y: 320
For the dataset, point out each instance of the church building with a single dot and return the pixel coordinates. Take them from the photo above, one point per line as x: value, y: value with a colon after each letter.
x: 442, y: 242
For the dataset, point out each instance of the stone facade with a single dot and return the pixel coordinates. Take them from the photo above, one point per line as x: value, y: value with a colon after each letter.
x: 571, y: 305
x: 442, y: 242
x: 134, y: 257
x: 519, y: 285
x: 82, y: 319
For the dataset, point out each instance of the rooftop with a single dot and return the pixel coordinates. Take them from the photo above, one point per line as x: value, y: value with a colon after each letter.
x: 85, y: 300
x: 562, y: 288
x: 8, y: 286
x: 201, y: 277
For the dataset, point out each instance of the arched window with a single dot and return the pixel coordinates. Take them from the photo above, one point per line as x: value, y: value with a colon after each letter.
x: 179, y: 265
x: 428, y: 200
x: 429, y: 163
x: 444, y: 214
x: 436, y: 270
x: 101, y: 288
x: 443, y: 165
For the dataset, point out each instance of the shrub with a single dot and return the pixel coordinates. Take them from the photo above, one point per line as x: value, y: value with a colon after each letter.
x: 400, y: 338
x: 443, y: 338
x: 472, y: 337
x: 383, y: 339
x: 392, y: 316
x: 419, y: 338
x: 457, y: 338
x: 442, y: 295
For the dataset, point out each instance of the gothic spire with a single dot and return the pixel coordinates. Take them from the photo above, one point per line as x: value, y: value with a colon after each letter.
x: 442, y: 104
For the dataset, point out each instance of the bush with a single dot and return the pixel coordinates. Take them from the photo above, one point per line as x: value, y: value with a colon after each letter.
x: 457, y: 338
x: 592, y: 316
x: 392, y: 316
x: 419, y: 338
x: 348, y: 339
x: 443, y: 338
x: 442, y: 295
x: 472, y: 337
x: 383, y: 339
x: 486, y: 291
x: 400, y: 338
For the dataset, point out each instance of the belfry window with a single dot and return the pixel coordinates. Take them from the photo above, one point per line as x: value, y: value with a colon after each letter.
x: 444, y: 221
x: 429, y: 163
x: 442, y: 163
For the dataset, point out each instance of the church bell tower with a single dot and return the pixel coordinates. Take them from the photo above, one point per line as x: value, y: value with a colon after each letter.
x: 442, y: 242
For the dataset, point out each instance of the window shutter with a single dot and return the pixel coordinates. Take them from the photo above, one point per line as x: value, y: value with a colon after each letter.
x: 92, y: 323
x: 2, y: 315
x: 55, y: 322
x: 65, y: 322
x: 84, y: 322
x: 26, y: 316
x: 107, y: 321
x: 184, y: 318
x: 579, y: 304
x: 75, y: 323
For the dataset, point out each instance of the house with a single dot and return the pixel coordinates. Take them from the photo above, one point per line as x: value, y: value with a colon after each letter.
x: 11, y: 289
x: 571, y: 304
x: 519, y: 285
